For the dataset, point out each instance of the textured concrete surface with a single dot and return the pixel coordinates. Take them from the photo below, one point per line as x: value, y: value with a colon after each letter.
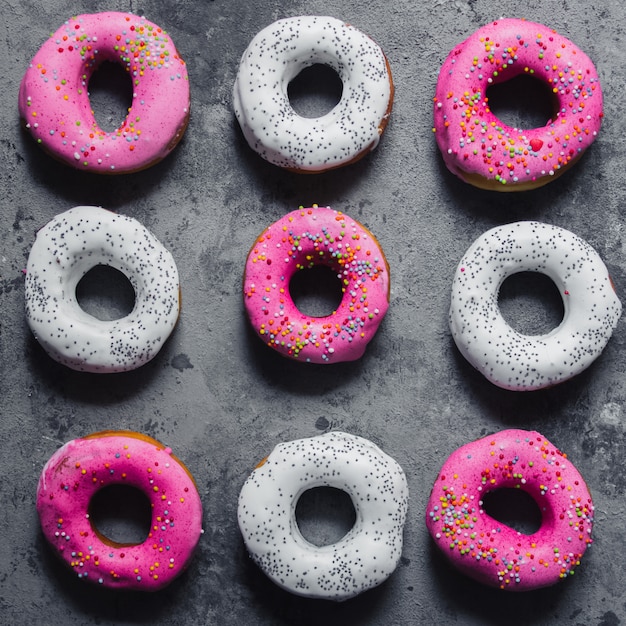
x: 222, y: 400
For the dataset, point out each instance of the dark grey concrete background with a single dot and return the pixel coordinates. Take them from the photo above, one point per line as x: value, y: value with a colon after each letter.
x: 222, y: 400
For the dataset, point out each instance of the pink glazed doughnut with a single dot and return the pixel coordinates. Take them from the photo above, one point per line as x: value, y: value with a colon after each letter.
x: 482, y: 150
x: 300, y: 240
x: 54, y: 99
x: 79, y: 469
x: 491, y: 552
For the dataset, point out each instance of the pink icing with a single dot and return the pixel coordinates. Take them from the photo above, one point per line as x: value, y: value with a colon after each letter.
x: 490, y: 551
x: 475, y: 144
x: 54, y: 101
x: 300, y: 240
x: 82, y: 467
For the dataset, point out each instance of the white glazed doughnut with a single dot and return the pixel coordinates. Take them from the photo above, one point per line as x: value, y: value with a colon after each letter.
x: 64, y: 250
x: 365, y: 556
x: 506, y: 357
x: 275, y: 57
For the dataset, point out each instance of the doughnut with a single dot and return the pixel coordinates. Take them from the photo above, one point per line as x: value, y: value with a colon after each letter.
x: 64, y: 250
x: 366, y: 556
x: 81, y: 468
x: 491, y: 552
x: 481, y: 149
x: 506, y: 357
x: 275, y: 56
x: 300, y: 240
x: 54, y: 99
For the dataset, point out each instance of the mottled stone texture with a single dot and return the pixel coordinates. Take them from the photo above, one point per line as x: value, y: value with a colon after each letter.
x: 222, y: 400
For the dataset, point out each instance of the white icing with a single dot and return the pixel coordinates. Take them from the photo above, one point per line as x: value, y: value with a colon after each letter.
x: 275, y: 56
x: 507, y: 357
x: 365, y: 556
x: 64, y: 250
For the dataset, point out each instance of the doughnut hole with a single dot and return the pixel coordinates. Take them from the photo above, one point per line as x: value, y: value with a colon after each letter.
x: 105, y: 293
x: 522, y: 102
x: 316, y: 291
x: 315, y: 91
x: 121, y: 515
x: 515, y: 508
x: 325, y: 515
x: 110, y: 95
x: 531, y: 303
